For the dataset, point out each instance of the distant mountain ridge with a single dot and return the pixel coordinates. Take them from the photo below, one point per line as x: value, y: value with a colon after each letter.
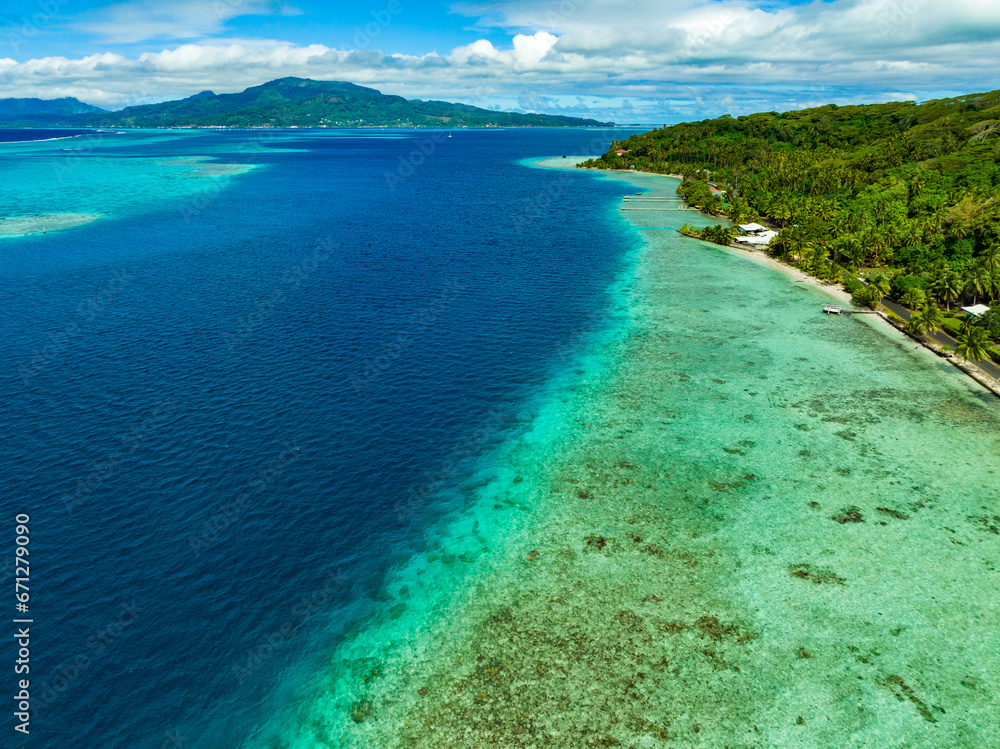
x: 43, y: 110
x: 290, y: 102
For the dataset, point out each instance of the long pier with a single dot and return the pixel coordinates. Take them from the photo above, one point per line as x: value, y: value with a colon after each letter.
x: 836, y: 309
x: 682, y: 206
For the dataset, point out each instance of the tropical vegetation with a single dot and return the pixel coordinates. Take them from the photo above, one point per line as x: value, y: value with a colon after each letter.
x: 973, y: 343
x: 904, y: 194
x: 719, y: 234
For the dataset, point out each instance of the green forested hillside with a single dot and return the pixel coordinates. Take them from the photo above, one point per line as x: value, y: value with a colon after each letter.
x: 912, y: 189
x: 38, y: 110
x: 300, y: 102
x: 901, y: 184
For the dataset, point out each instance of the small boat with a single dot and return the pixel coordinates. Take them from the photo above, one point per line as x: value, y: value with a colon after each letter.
x: 832, y: 309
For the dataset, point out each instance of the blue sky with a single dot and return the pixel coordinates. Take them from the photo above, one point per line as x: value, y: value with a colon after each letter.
x: 648, y: 61
x: 81, y: 27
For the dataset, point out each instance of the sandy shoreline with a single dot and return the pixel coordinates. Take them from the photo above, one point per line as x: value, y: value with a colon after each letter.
x: 878, y: 319
x: 756, y: 256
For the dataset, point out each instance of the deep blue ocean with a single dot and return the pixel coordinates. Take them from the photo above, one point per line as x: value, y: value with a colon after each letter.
x: 237, y: 398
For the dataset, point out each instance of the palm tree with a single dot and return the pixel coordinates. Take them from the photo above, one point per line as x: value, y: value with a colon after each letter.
x: 876, y: 242
x: 823, y: 267
x: 898, y: 234
x: 991, y: 322
x: 960, y: 230
x: 933, y: 318
x: 788, y: 252
x: 925, y: 321
x: 946, y: 284
x: 853, y: 250
x: 780, y: 245
x: 917, y: 325
x: 881, y: 284
x: 931, y: 227
x: 978, y: 280
x: 844, y: 221
x: 990, y: 258
x: 914, y: 298
x: 779, y: 211
x: 911, y: 235
x: 995, y: 283
x: 973, y: 344
x: 808, y: 253
x: 826, y: 210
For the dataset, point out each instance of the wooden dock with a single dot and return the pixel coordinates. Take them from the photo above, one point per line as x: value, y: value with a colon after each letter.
x: 653, y: 204
x: 836, y: 309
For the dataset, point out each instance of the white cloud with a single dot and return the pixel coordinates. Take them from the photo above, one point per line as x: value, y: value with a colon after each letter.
x: 741, y: 29
x: 669, y: 60
x: 478, y: 52
x: 527, y: 52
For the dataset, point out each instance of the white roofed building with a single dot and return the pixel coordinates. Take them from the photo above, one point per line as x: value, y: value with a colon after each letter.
x: 976, y: 310
x: 758, y: 240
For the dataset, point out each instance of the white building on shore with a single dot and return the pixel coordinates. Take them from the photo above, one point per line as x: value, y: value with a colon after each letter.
x: 760, y: 239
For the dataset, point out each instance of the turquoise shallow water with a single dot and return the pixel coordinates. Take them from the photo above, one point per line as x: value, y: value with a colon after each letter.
x: 732, y: 521
x: 65, y: 183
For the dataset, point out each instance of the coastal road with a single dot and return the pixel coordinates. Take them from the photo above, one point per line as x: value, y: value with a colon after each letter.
x: 989, y: 368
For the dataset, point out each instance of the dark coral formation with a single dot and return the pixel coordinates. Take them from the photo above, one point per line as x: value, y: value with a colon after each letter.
x: 816, y: 575
x: 849, y: 515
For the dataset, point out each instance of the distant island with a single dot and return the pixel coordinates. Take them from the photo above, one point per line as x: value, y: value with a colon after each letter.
x: 286, y: 102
